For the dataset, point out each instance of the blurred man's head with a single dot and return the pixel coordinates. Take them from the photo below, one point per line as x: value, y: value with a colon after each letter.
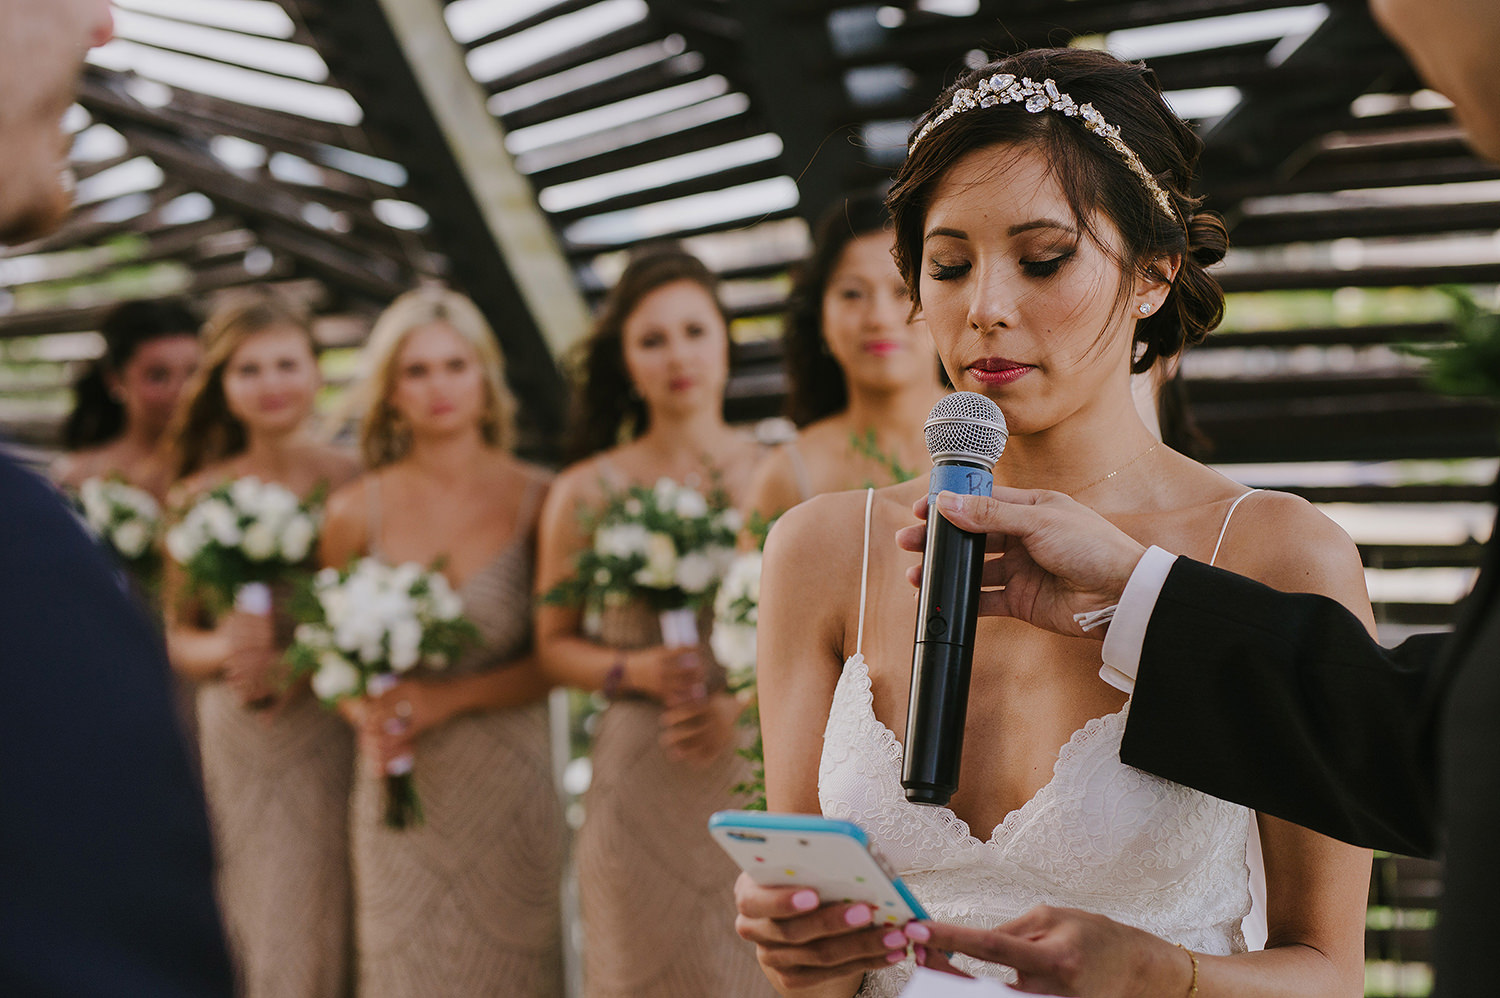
x: 42, y: 45
x: 1455, y: 45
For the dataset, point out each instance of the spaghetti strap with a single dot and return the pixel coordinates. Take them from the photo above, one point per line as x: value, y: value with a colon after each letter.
x: 1225, y: 529
x: 864, y: 574
x: 799, y: 470
x: 372, y: 513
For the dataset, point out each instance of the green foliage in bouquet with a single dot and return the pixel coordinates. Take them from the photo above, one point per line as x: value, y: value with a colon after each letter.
x: 668, y: 544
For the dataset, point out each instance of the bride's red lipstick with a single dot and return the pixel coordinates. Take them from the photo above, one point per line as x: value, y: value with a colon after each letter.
x: 998, y: 370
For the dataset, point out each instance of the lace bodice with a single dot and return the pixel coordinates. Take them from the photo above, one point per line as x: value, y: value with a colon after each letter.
x: 1100, y: 836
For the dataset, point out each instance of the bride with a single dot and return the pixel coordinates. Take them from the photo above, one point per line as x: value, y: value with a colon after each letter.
x: 1044, y: 228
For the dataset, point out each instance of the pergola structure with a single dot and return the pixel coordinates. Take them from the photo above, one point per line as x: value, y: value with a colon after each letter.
x: 345, y: 150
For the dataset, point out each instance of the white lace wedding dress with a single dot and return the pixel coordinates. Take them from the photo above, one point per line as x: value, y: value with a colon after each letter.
x: 1100, y: 836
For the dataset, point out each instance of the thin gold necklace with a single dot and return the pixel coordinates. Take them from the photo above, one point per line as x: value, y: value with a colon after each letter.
x: 1101, y: 481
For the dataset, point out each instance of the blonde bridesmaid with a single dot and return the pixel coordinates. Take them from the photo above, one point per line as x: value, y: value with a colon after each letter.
x: 467, y: 903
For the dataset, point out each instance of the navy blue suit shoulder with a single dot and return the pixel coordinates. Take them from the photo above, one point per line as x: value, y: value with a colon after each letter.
x: 105, y: 860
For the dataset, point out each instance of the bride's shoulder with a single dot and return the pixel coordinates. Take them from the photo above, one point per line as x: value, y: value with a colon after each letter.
x: 1289, y: 544
x: 826, y: 526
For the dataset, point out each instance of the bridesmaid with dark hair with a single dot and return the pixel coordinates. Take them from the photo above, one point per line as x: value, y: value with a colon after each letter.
x: 125, y: 399
x: 862, y: 371
x: 276, y: 765
x: 655, y: 891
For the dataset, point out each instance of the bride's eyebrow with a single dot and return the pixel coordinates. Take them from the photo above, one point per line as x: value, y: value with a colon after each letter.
x: 951, y: 233
x: 1041, y: 223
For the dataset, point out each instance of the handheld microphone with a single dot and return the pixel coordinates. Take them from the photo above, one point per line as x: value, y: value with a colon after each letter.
x: 965, y: 435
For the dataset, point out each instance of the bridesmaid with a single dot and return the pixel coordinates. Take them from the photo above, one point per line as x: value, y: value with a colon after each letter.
x: 858, y: 365
x: 468, y: 903
x: 125, y: 399
x: 275, y: 765
x: 655, y: 891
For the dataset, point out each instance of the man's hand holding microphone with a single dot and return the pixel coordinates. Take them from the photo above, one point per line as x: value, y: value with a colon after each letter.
x: 1058, y: 558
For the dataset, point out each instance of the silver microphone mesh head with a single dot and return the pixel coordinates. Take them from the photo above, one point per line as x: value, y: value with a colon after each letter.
x: 966, y: 426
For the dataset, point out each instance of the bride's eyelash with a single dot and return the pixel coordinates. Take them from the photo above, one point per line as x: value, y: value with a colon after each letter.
x: 947, y: 272
x: 1047, y: 267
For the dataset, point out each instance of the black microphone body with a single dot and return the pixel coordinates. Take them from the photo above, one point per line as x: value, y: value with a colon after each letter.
x: 943, y: 648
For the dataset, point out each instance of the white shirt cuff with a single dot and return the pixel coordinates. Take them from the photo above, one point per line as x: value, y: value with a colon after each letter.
x: 1127, y: 631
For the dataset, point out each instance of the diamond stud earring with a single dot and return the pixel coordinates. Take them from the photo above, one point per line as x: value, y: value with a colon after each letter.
x: 1146, y: 309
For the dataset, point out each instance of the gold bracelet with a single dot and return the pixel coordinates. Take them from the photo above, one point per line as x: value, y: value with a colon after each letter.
x: 1193, y: 987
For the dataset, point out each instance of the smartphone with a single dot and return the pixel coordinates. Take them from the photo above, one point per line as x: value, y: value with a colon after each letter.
x: 834, y: 858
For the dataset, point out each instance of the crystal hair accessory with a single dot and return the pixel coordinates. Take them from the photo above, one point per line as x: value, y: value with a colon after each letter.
x: 1005, y: 88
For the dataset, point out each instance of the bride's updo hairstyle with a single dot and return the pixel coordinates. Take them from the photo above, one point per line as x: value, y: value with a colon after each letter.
x: 1094, y: 174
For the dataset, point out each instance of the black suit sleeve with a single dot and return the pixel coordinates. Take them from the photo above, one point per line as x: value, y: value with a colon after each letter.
x: 1282, y: 702
x: 105, y: 862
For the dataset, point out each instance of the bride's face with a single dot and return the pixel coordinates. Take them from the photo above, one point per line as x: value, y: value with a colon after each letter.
x: 1023, y: 307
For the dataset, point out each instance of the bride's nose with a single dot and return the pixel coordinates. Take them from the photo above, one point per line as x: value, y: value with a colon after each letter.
x: 992, y: 301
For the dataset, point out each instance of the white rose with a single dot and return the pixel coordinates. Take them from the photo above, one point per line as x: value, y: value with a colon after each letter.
x: 731, y: 521
x: 633, y: 507
x: 183, y: 542
x: 446, y: 604
x: 406, y: 643
x: 665, y: 493
x: 623, y: 541
x: 132, y: 538
x: 245, y: 493
x: 142, y: 504
x: 335, y: 677
x: 742, y: 580
x: 297, y: 537
x: 97, y: 509
x: 696, y: 571
x: 404, y: 576
x: 220, y: 522
x: 313, y: 636
x: 276, y: 503
x: 660, y: 570
x: 734, y: 646
x: 259, y: 541
x: 690, y: 504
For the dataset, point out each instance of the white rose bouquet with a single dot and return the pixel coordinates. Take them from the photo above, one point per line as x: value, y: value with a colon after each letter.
x: 127, y: 519
x: 736, y: 614
x: 360, y: 630
x: 668, y: 544
x: 237, y: 538
x: 736, y: 611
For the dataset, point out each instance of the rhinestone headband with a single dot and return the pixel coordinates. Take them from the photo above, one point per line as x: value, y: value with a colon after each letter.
x: 1004, y: 88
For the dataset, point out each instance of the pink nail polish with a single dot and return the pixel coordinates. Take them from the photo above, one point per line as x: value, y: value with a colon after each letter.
x: 917, y: 932
x: 860, y: 914
x: 895, y: 957
x: 805, y: 900
x: 894, y: 939
x: 921, y: 952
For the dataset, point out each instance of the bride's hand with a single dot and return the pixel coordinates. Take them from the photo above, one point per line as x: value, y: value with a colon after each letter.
x: 801, y: 944
x: 1057, y: 557
x: 1063, y: 951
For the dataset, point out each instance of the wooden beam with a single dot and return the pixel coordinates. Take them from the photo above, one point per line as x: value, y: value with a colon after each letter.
x: 424, y: 111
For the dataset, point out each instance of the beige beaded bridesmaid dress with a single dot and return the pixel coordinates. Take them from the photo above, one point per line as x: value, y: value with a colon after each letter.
x: 278, y: 795
x: 468, y: 904
x: 656, y: 892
